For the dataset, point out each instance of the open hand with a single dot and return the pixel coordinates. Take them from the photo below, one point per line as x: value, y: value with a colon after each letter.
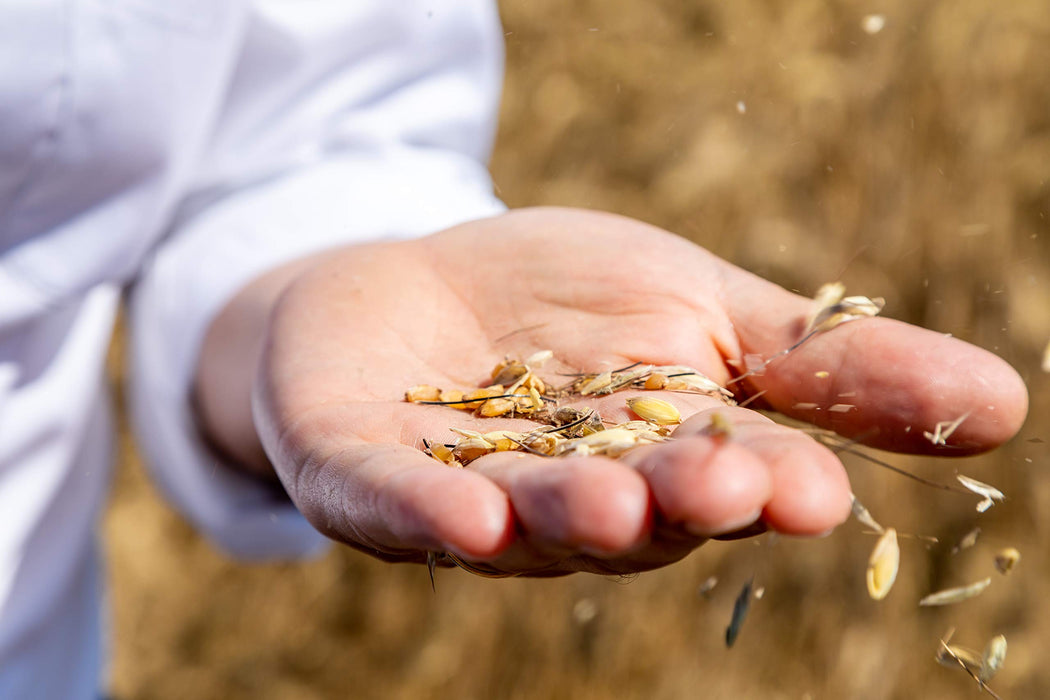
x: 356, y: 329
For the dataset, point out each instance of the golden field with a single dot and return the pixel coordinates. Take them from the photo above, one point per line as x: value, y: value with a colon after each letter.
x: 912, y: 163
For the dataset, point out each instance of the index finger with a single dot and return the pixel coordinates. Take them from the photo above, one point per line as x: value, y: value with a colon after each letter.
x: 882, y: 381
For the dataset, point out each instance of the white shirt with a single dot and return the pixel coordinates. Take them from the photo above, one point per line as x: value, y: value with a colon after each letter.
x: 183, y: 148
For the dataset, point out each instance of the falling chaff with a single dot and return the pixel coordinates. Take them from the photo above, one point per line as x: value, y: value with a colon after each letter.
x: 968, y: 540
x: 979, y: 666
x: 873, y: 24
x: 992, y: 658
x: 827, y: 296
x: 740, y: 608
x: 951, y: 596
x: 828, y: 311
x: 849, y: 309
x: 584, y: 611
x: 954, y: 655
x: 990, y: 493
x: 864, y: 517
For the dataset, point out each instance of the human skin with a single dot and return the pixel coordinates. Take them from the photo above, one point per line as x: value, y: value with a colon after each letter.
x: 303, y: 375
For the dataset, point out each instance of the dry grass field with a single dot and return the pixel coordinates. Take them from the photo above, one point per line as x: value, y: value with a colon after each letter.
x: 912, y: 163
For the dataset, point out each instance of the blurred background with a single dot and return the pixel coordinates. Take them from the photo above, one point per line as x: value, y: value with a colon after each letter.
x: 902, y: 147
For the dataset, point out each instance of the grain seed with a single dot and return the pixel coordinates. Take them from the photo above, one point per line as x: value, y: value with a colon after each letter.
x: 475, y: 398
x: 536, y: 399
x: 504, y: 440
x: 422, y: 392
x: 656, y: 410
x: 656, y: 381
x: 883, y: 565
x: 441, y: 452
x: 497, y: 407
x: 450, y: 396
x: 1006, y: 559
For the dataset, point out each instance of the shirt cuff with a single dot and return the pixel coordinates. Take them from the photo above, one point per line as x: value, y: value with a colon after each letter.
x: 394, y: 194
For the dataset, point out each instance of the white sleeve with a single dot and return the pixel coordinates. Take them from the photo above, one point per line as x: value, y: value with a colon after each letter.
x: 345, y: 122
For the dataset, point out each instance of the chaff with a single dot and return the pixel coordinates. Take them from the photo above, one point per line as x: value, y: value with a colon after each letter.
x: 707, y: 586
x: 992, y: 658
x: 968, y: 660
x: 990, y: 493
x: 950, y: 596
x: 829, y: 311
x: 740, y: 607
x: 966, y: 541
x: 864, y: 517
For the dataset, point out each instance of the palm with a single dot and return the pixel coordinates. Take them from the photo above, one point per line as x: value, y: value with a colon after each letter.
x: 600, y: 292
